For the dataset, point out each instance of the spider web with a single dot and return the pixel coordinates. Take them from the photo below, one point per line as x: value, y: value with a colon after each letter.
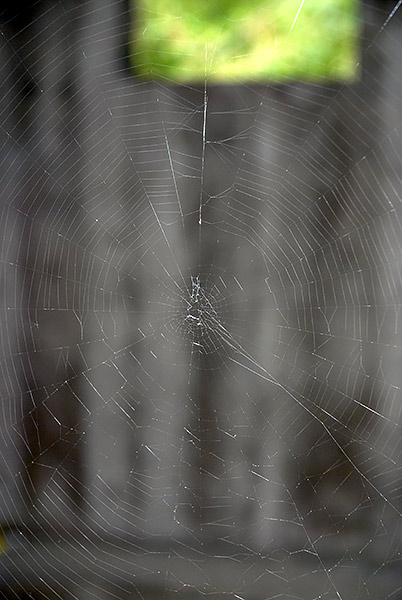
x: 201, y: 322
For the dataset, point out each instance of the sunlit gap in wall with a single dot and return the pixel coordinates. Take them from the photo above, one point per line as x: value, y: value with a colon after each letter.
x: 232, y: 41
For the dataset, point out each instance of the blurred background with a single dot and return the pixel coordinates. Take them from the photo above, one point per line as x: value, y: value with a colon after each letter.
x: 200, y: 300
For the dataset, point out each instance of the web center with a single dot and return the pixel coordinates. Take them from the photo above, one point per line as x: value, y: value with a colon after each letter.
x: 200, y: 313
x: 194, y: 313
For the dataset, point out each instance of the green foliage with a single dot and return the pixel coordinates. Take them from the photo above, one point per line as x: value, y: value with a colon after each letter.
x: 245, y: 40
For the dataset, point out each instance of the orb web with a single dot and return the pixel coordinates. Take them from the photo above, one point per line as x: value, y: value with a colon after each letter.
x: 200, y: 321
